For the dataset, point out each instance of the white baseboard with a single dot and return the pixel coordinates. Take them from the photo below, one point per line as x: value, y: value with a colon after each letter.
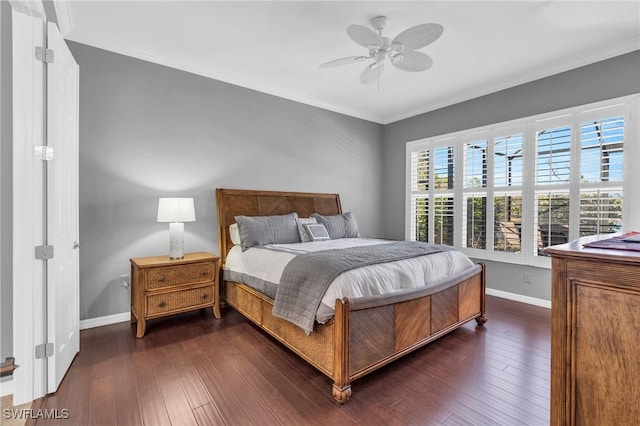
x: 519, y: 298
x: 6, y: 387
x: 106, y: 320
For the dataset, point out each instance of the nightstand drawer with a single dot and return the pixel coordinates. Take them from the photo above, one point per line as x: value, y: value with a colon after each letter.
x: 177, y: 300
x: 179, y: 275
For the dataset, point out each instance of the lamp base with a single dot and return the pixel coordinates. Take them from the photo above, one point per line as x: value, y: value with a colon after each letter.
x: 176, y: 240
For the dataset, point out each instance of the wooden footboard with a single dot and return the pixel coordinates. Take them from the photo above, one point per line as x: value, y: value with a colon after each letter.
x: 368, y: 333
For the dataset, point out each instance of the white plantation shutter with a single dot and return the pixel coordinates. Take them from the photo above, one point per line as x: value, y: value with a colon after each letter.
x: 600, y: 212
x: 601, y: 146
x: 443, y: 220
x: 508, y: 161
x: 475, y: 164
x: 419, y: 207
x: 505, y: 192
x: 508, y: 222
x: 420, y: 222
x: 552, y: 214
x: 443, y: 200
x: 420, y: 170
x: 443, y: 167
x: 474, y: 226
x: 553, y: 155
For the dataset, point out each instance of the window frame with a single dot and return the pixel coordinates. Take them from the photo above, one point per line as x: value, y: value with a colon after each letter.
x: 627, y: 107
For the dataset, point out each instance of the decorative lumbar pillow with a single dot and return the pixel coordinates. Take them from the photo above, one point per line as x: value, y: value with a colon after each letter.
x: 261, y: 230
x: 339, y: 226
x: 234, y: 233
x: 317, y: 232
x: 301, y: 221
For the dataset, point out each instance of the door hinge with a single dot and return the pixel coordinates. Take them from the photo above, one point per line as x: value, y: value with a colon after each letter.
x: 44, y: 350
x: 43, y: 152
x: 44, y: 252
x: 44, y: 55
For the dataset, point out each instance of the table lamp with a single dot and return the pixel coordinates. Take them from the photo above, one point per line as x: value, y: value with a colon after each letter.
x: 176, y: 211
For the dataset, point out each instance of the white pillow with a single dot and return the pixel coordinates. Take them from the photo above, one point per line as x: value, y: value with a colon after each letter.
x: 234, y: 233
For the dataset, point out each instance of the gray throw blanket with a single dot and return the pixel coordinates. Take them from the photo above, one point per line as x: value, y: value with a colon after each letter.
x: 306, y: 277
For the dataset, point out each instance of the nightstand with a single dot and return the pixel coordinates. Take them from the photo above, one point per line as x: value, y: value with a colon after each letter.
x: 161, y: 286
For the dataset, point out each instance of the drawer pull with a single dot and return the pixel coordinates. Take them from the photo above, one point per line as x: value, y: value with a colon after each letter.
x: 162, y: 279
x: 205, y: 296
x: 204, y: 273
x: 162, y: 304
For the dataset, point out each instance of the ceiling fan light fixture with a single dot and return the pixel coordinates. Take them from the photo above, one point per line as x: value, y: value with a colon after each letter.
x: 397, y: 46
x: 396, y: 59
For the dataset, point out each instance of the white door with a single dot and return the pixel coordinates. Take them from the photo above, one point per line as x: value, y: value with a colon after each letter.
x: 28, y: 132
x: 63, y: 306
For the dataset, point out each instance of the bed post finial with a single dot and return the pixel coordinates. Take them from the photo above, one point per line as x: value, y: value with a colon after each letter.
x: 341, y: 386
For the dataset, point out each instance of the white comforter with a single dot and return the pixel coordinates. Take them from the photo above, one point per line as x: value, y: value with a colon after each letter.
x: 368, y: 281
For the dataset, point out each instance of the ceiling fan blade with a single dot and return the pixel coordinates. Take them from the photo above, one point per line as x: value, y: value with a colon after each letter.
x: 419, y: 36
x: 343, y: 61
x: 364, y: 36
x: 412, y: 61
x: 371, y: 73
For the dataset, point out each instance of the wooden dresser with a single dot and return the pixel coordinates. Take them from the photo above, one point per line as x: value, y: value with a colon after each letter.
x: 595, y: 336
x: 161, y: 286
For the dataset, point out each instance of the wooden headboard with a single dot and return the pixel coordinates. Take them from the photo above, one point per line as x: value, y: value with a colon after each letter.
x: 242, y: 202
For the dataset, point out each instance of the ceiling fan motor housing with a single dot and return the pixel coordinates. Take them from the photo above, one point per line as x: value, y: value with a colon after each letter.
x: 379, y: 22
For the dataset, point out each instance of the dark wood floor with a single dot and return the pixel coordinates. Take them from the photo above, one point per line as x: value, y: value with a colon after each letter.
x: 192, y: 369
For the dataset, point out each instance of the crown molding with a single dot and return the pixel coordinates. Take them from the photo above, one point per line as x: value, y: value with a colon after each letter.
x: 33, y: 8
x: 540, y: 73
x: 63, y: 14
x: 628, y: 46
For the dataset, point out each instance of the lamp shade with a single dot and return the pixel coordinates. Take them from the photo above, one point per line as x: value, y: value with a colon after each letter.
x: 176, y: 210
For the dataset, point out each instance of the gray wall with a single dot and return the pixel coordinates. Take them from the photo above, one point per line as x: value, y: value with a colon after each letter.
x: 6, y: 183
x: 608, y: 79
x: 148, y: 131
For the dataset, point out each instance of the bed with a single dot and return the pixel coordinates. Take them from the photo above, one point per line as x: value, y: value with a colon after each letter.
x: 365, y: 333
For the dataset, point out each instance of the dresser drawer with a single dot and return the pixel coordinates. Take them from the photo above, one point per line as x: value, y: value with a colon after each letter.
x: 178, y: 275
x: 177, y: 300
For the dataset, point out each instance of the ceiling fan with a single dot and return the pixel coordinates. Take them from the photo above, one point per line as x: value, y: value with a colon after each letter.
x: 401, y: 51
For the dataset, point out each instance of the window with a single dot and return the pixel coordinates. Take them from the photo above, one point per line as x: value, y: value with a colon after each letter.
x: 507, y: 191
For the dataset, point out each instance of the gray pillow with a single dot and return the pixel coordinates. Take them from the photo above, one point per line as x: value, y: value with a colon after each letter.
x: 304, y: 237
x: 260, y: 230
x: 339, y: 226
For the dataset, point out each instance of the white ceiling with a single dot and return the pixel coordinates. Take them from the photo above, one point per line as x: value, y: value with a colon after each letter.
x: 276, y: 47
